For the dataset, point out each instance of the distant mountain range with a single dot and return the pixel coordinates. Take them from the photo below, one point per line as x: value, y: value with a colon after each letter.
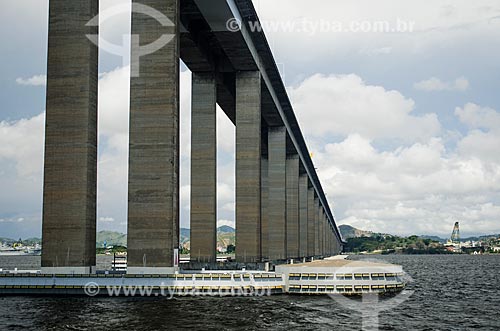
x: 348, y: 231
x: 29, y: 241
x: 226, y: 236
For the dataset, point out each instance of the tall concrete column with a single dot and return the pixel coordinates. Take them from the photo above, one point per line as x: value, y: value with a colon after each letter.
x: 248, y: 166
x: 320, y: 230
x: 303, y: 201
x: 311, y: 212
x: 277, y: 193
x: 264, y: 202
x: 329, y: 239
x: 292, y: 206
x: 70, y: 175
x: 153, y: 208
x: 334, y: 243
x: 326, y: 237
x: 323, y: 232
x: 317, y: 210
x: 203, y: 168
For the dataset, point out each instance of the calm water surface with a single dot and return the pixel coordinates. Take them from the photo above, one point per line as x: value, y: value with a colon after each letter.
x: 451, y: 293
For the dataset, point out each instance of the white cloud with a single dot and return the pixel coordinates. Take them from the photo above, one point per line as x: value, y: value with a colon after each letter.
x: 438, y: 27
x: 12, y: 220
x: 226, y: 133
x: 229, y: 207
x: 482, y: 145
x: 433, y: 216
x: 477, y: 117
x: 106, y: 219
x: 38, y: 80
x: 483, y: 139
x: 22, y: 143
x: 114, y: 97
x: 345, y: 104
x: 377, y: 51
x: 354, y: 168
x: 422, y: 188
x: 435, y: 84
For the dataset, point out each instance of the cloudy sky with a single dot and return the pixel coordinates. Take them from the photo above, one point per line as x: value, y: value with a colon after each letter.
x: 404, y: 126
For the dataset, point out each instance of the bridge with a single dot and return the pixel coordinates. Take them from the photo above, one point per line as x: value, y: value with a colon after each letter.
x: 281, y: 209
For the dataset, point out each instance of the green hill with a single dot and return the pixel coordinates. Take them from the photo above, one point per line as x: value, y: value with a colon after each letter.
x: 111, y: 238
x: 348, y: 231
x: 226, y: 229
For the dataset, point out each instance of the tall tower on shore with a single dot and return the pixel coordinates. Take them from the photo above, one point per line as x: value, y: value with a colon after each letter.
x: 455, y: 235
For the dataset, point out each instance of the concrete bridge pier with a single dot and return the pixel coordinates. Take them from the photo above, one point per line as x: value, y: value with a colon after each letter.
x: 248, y: 166
x: 70, y: 169
x: 303, y: 215
x: 324, y: 232
x: 264, y: 198
x: 310, y: 222
x: 316, y: 226
x: 292, y: 206
x: 277, y: 193
x: 320, y: 230
x: 153, y: 201
x: 203, y: 168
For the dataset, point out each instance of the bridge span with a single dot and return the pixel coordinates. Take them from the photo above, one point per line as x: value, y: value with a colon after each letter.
x: 281, y: 209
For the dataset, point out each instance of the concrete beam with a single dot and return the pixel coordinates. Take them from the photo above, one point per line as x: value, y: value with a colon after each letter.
x: 153, y: 209
x: 70, y: 174
x: 303, y: 201
x: 292, y: 206
x: 248, y: 166
x: 203, y: 168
